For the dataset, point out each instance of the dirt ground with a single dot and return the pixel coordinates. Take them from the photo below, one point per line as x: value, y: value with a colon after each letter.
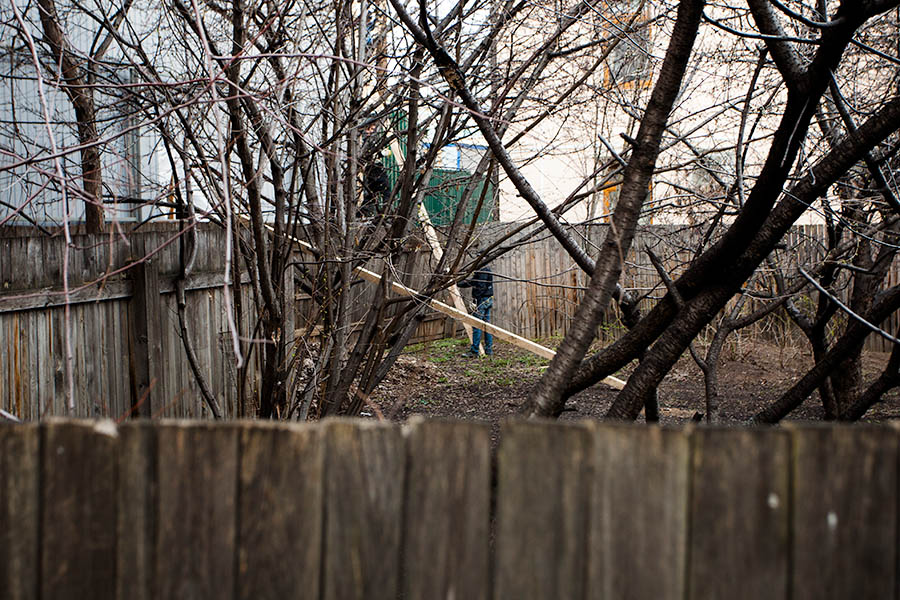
x: 435, y: 380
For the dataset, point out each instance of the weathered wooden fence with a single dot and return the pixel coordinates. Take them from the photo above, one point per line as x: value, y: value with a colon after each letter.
x: 538, y: 285
x: 360, y: 510
x: 125, y: 337
x: 123, y: 325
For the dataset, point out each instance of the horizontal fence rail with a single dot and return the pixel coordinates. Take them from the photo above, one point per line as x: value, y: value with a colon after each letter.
x: 363, y: 510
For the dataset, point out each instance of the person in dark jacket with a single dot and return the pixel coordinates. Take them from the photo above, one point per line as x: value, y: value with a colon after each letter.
x: 376, y: 185
x: 482, y: 284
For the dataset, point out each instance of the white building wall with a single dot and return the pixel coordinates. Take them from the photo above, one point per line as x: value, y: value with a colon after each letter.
x: 40, y: 163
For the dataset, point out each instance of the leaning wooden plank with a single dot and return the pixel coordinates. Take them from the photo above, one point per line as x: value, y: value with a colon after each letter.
x: 446, y: 552
x: 466, y: 318
x: 739, y: 514
x: 364, y: 463
x: 280, y: 512
x: 463, y: 316
x: 19, y: 501
x: 78, y: 502
x: 845, y: 512
x: 196, y: 487
x: 438, y: 253
x: 639, y: 513
x: 542, y: 511
x: 136, y: 511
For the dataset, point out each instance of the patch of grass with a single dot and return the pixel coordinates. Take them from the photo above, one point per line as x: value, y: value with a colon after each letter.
x: 414, y: 348
x: 531, y: 360
x: 496, y: 364
x: 441, y: 351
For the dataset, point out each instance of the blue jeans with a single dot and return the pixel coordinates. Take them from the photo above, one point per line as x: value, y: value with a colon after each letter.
x: 483, y: 312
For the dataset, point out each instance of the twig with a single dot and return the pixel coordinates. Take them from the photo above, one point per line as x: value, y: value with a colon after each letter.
x: 847, y: 309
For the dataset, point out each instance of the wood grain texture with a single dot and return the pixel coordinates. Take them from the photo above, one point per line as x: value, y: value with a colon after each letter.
x: 639, y: 513
x: 19, y: 501
x: 845, y: 512
x: 32, y: 325
x: 196, y: 487
x: 448, y: 499
x: 136, y: 527
x: 739, y: 514
x: 542, y: 510
x: 363, y: 510
x: 280, y: 512
x: 78, y: 506
x: 145, y: 315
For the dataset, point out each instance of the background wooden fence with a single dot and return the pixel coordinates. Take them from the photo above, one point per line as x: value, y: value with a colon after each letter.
x: 125, y: 342
x: 537, y: 286
x: 360, y: 510
x: 124, y: 328
x: 116, y: 334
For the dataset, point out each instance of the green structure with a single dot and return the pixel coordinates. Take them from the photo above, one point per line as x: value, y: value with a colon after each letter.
x: 446, y: 186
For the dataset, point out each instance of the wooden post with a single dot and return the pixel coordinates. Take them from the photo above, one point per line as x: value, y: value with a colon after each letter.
x: 279, y: 511
x: 844, y: 512
x: 146, y: 350
x: 645, y: 469
x: 363, y: 498
x: 136, y: 511
x: 740, y: 506
x: 196, y: 488
x: 447, y: 523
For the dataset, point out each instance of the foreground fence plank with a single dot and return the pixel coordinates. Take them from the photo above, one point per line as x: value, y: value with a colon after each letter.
x: 19, y: 502
x: 542, y: 511
x: 363, y: 510
x: 344, y: 510
x: 196, y: 485
x: 280, y: 512
x: 639, y: 513
x: 739, y: 514
x: 78, y: 523
x: 136, y: 513
x: 448, y: 499
x: 845, y: 513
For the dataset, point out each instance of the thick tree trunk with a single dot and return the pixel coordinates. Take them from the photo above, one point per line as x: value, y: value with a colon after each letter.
x: 81, y: 97
x: 548, y: 399
x: 889, y: 379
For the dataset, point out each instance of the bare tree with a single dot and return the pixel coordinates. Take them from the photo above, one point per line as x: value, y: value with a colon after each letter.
x: 313, y: 133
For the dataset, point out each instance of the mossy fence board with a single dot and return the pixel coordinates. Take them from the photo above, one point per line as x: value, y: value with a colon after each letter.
x: 353, y: 509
